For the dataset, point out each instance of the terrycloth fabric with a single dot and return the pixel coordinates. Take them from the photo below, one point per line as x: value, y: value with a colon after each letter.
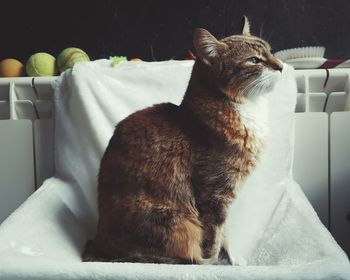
x: 272, y: 225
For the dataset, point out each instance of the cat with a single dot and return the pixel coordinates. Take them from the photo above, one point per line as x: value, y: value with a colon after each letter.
x: 170, y: 172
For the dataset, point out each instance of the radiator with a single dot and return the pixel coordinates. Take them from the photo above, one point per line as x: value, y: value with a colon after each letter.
x: 321, y: 157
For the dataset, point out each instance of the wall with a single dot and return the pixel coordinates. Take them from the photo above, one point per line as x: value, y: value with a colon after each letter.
x: 160, y: 29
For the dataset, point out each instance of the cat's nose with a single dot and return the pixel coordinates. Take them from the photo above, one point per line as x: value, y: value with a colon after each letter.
x: 276, y: 64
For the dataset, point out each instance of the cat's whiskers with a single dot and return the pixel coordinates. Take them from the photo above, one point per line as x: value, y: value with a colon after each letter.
x: 257, y: 86
x: 249, y: 87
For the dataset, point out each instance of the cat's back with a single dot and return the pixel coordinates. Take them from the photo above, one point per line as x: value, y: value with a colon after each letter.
x: 154, y: 127
x: 147, y: 148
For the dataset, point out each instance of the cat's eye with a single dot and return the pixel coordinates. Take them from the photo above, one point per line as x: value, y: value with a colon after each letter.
x: 254, y: 60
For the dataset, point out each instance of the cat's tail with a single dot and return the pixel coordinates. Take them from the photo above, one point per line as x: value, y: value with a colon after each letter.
x: 139, y: 258
x: 92, y: 255
x: 136, y: 259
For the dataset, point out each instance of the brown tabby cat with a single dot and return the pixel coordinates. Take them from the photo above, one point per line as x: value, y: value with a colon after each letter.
x: 170, y: 172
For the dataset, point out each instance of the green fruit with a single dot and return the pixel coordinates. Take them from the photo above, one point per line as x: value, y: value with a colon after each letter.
x: 41, y: 64
x: 69, y: 56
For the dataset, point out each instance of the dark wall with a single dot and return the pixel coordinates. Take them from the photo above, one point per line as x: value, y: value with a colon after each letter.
x: 161, y: 29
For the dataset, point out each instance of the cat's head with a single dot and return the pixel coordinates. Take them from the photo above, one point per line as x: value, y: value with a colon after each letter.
x: 240, y: 66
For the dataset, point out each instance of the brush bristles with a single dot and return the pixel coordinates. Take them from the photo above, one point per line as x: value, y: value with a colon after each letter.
x: 303, y: 52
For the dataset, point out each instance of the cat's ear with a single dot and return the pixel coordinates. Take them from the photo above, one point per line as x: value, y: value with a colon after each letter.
x: 207, y: 47
x: 245, y: 26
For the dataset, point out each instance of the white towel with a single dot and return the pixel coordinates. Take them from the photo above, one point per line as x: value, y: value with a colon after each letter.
x: 272, y: 225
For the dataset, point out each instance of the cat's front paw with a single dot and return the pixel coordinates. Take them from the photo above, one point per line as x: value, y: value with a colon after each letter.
x: 239, y: 261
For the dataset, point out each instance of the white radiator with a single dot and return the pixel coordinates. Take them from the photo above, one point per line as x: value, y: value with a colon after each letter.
x: 321, y: 158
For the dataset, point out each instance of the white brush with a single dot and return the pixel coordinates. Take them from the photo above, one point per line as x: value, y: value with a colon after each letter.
x: 310, y: 58
x: 303, y: 52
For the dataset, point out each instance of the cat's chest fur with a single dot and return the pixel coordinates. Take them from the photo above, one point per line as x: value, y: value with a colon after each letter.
x: 221, y: 168
x: 253, y: 120
x: 245, y: 137
x: 253, y: 115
